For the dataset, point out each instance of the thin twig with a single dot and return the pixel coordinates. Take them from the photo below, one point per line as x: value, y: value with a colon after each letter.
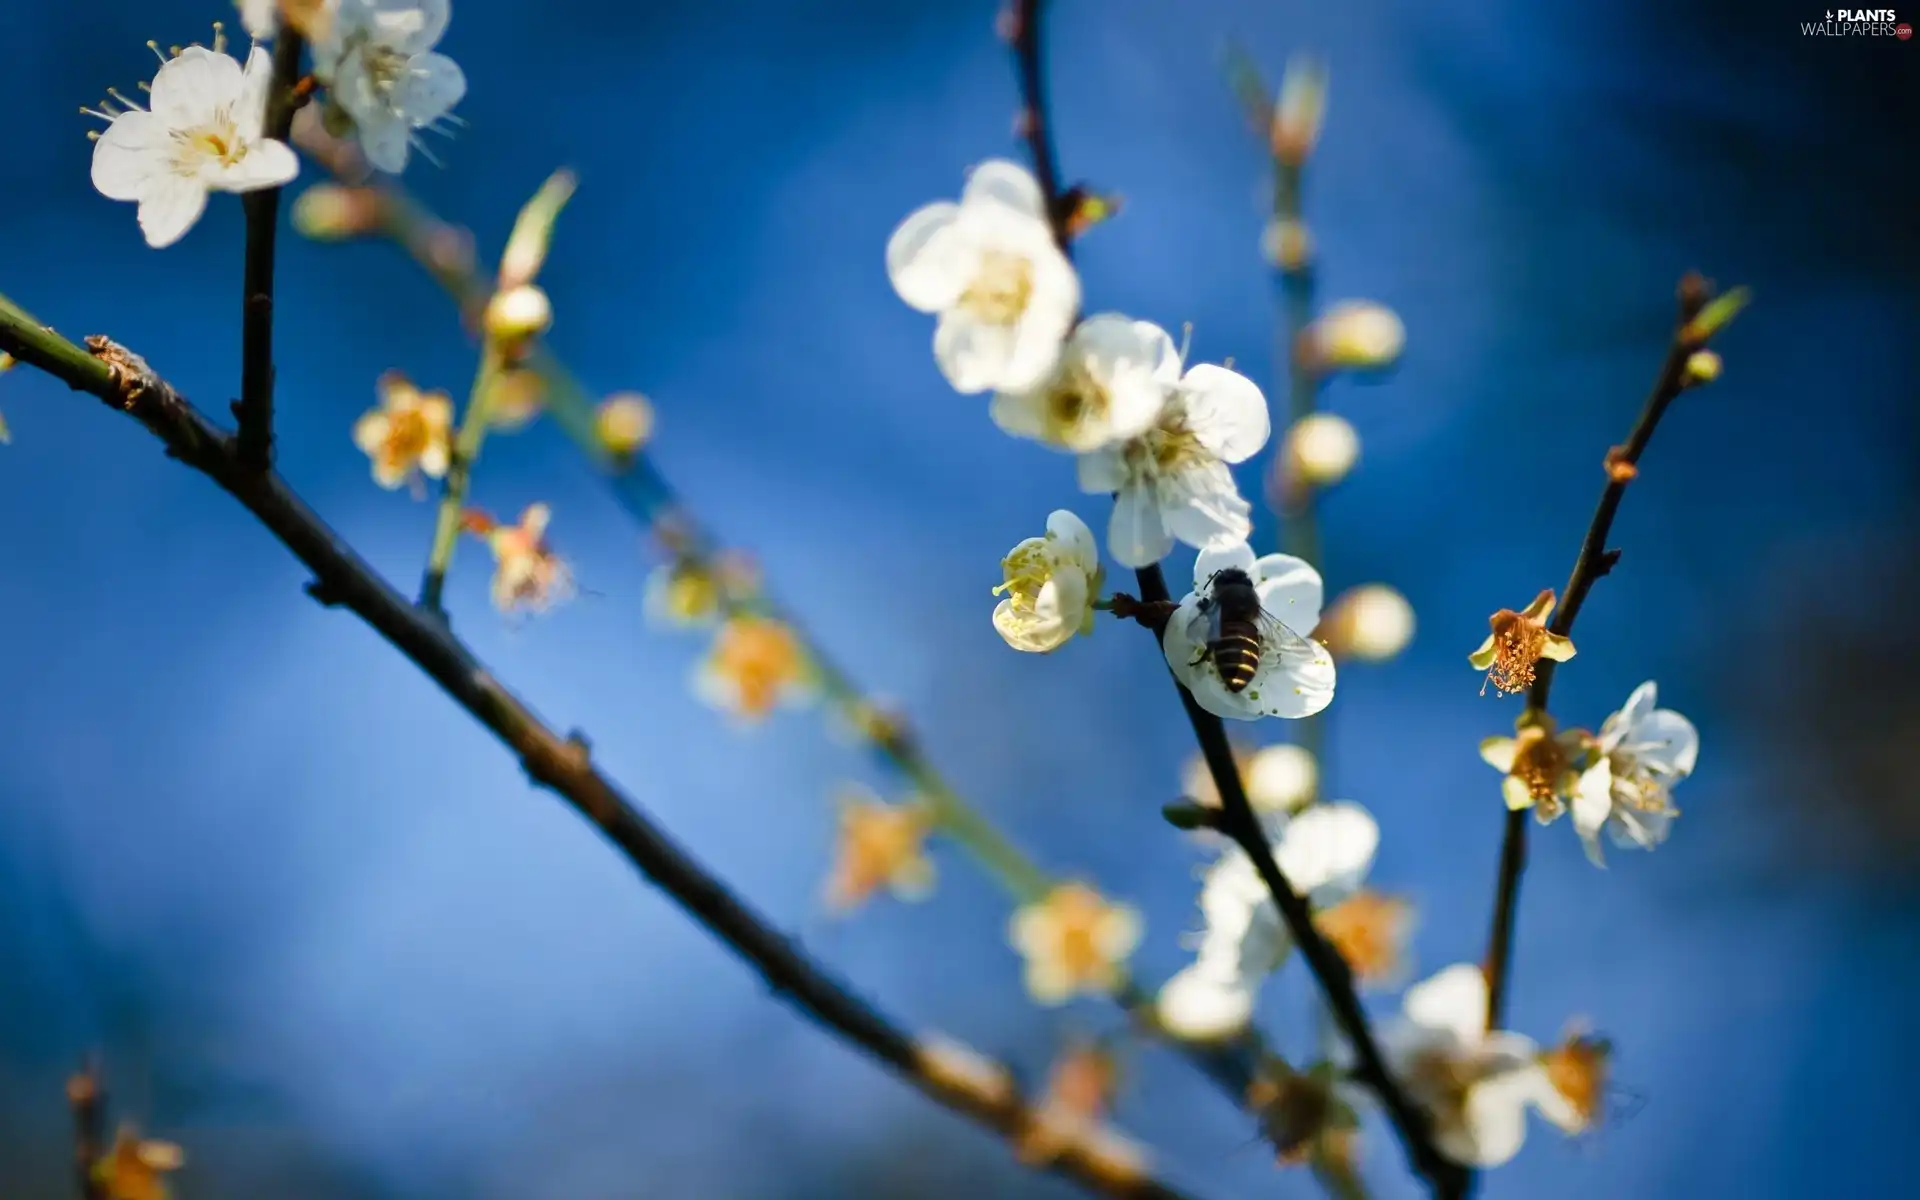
x: 254, y: 410
x: 1238, y: 821
x: 475, y: 420
x: 1593, y: 561
x: 87, y: 1098
x: 563, y: 765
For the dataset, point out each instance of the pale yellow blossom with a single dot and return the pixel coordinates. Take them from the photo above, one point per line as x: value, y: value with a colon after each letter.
x: 880, y: 845
x: 756, y: 664
x: 411, y: 432
x: 1074, y: 940
x: 1517, y: 644
x: 1541, y: 766
x: 527, y: 573
x: 1370, y: 930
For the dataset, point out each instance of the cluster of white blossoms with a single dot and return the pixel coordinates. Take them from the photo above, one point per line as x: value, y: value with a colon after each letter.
x: 1325, y: 853
x: 203, y: 129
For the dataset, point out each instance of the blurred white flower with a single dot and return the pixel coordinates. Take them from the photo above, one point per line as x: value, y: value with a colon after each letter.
x: 1372, y: 623
x: 527, y: 574
x: 1172, y: 482
x: 1280, y: 778
x: 1320, y: 449
x: 1324, y: 853
x: 1074, y: 940
x: 202, y: 134
x: 1051, y: 584
x: 1295, y: 675
x: 1643, y: 752
x: 260, y: 18
x: 377, y: 61
x: 989, y: 266
x: 1476, y: 1084
x: 1109, y: 383
x: 1354, y: 335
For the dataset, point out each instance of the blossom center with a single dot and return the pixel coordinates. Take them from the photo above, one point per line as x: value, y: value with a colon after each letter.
x: 761, y: 658
x: 1167, y: 449
x: 1027, y: 571
x: 1541, y: 762
x: 408, y: 435
x: 1577, y: 1069
x: 1518, y: 641
x: 1000, y: 289
x: 1075, y: 400
x: 219, y: 140
x: 1635, y: 786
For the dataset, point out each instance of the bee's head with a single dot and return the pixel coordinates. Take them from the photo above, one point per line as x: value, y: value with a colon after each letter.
x: 1230, y: 577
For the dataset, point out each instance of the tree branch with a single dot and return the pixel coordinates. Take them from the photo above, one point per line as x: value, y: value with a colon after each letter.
x: 563, y: 765
x: 1237, y: 819
x: 1593, y: 561
x: 87, y: 1099
x: 254, y: 410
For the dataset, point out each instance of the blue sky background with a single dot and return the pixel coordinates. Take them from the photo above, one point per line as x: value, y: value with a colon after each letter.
x: 327, y: 936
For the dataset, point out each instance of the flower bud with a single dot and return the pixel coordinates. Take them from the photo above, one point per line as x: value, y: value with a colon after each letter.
x: 1703, y: 366
x: 516, y: 399
x: 1281, y: 778
x: 623, y: 423
x: 331, y: 212
x: 1354, y: 335
x: 1286, y: 244
x: 1300, y: 111
x: 518, y: 313
x: 1320, y: 449
x: 527, y: 245
x: 1371, y: 623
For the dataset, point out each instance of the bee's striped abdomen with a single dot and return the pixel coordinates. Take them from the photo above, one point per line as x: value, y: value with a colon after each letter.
x: 1236, y: 653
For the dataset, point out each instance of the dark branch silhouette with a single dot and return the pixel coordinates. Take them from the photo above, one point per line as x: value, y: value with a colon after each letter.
x: 254, y: 410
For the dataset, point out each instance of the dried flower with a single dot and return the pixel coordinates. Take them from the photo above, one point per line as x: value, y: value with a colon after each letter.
x: 1542, y: 767
x: 1370, y: 930
x: 527, y: 574
x: 410, y: 431
x: 756, y: 664
x: 1074, y: 940
x: 1517, y: 644
x: 1577, y: 1071
x: 880, y: 845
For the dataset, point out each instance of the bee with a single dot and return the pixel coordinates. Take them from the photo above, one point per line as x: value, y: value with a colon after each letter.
x: 1236, y: 633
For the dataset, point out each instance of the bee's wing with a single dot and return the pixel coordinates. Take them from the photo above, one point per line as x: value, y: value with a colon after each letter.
x: 1203, y: 623
x: 1281, y: 648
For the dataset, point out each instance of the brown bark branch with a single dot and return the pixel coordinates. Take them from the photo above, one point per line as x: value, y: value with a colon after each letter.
x: 1593, y: 561
x: 1237, y: 819
x: 87, y: 1099
x: 562, y: 764
x: 254, y: 410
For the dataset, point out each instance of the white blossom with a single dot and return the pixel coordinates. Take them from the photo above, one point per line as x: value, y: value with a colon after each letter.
x: 260, y: 18
x: 1051, y: 584
x: 378, y: 63
x: 1295, y: 677
x: 1109, y: 383
x: 1477, y: 1085
x: 1005, y: 292
x: 1643, y: 752
x: 1324, y: 853
x: 203, y: 133
x: 1172, y: 482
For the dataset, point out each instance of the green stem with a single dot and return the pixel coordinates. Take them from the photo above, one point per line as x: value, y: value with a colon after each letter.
x: 467, y: 441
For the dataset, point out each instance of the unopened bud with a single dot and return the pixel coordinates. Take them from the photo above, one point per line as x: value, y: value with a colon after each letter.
x: 1371, y: 623
x: 331, y: 212
x: 6, y: 362
x: 1321, y: 448
x: 516, y: 399
x: 1286, y: 244
x: 1282, y: 777
x: 518, y: 313
x: 1300, y: 111
x: 1354, y: 335
x: 623, y: 423
x: 532, y: 234
x: 1715, y: 316
x: 1703, y: 366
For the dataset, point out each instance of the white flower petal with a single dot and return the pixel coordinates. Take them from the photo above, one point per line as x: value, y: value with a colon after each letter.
x: 1638, y: 829
x: 431, y: 87
x: 191, y: 85
x: 1102, y: 471
x: 1454, y: 1001
x: 256, y: 85
x: 1198, y: 1007
x: 132, y: 151
x: 1327, y: 850
x: 1215, y: 559
x: 1291, y: 590
x: 1115, y: 342
x: 1640, y: 704
x: 1135, y: 535
x: 1493, y: 1126
x: 1592, y: 805
x: 929, y: 263
x: 972, y: 354
x: 266, y: 164
x: 385, y: 139
x: 1073, y: 541
x: 1225, y: 411
x: 1201, y: 506
x: 1296, y: 678
x: 1665, y: 742
x: 169, y: 207
x: 998, y: 181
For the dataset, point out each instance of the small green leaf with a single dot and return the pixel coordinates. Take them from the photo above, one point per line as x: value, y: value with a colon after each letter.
x: 1715, y: 316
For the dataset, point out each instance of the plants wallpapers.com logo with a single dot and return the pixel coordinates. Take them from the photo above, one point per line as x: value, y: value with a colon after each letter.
x: 1858, y: 22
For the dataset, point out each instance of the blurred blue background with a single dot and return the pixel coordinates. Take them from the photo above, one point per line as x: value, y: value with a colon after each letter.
x: 325, y: 934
